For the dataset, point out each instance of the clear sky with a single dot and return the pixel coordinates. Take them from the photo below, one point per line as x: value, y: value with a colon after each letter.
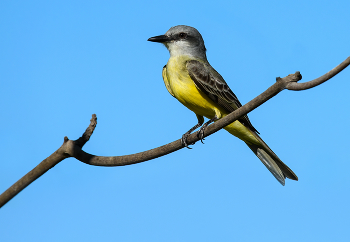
x: 62, y: 61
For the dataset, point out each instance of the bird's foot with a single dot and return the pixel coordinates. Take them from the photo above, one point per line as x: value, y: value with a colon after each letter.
x: 184, y: 140
x: 200, y: 134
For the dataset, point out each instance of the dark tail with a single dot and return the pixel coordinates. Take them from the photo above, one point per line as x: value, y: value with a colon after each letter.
x: 271, y: 161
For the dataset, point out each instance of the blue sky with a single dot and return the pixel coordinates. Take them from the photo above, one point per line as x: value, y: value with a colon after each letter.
x: 62, y: 61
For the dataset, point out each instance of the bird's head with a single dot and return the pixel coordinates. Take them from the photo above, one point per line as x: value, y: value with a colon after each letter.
x: 182, y: 40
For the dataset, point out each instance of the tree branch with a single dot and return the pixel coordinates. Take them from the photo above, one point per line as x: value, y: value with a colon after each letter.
x: 62, y: 153
x: 73, y: 148
x: 306, y: 85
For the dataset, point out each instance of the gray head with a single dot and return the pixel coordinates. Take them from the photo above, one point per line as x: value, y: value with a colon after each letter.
x: 182, y: 40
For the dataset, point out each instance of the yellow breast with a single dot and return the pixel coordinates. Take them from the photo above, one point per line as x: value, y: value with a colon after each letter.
x: 185, y: 90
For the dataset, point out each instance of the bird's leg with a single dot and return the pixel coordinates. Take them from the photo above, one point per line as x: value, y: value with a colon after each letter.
x: 201, y: 131
x: 185, y: 135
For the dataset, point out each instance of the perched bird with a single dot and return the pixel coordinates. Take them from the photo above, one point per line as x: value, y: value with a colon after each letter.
x: 190, y: 78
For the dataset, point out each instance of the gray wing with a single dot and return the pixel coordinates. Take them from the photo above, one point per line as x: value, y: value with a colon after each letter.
x: 212, y: 84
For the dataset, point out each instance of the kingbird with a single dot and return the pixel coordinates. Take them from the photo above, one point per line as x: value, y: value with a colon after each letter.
x: 190, y: 78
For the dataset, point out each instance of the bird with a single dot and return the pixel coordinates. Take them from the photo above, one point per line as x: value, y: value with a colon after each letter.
x: 190, y: 78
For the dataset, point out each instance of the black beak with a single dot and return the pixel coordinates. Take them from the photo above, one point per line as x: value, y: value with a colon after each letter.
x: 159, y: 39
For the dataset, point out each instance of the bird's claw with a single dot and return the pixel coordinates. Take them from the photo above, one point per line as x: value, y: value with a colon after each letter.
x: 184, y: 140
x: 201, y: 134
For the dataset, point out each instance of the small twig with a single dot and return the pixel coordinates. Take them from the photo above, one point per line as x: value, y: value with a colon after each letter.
x: 88, y: 132
x: 306, y: 85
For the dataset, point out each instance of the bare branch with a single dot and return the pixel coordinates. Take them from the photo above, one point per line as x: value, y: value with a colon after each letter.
x: 306, y: 85
x: 88, y: 132
x: 72, y: 148
x: 59, y: 155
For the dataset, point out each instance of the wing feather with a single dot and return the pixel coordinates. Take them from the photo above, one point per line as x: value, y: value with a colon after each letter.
x: 212, y: 84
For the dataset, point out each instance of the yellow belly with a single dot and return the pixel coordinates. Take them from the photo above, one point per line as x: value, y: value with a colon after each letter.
x: 184, y: 90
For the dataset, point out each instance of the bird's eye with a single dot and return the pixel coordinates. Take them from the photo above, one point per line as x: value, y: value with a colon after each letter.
x: 182, y: 35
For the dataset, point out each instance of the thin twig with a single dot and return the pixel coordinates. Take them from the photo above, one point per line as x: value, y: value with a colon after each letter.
x: 306, y: 85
